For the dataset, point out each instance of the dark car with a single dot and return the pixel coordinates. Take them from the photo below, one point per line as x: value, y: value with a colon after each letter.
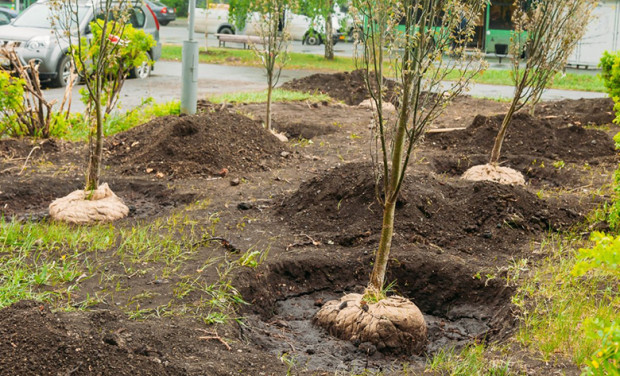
x: 164, y: 13
x: 6, y: 15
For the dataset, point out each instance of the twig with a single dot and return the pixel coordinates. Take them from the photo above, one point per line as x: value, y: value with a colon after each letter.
x: 214, y: 336
x: 27, y: 158
x: 225, y: 243
x: 310, y: 241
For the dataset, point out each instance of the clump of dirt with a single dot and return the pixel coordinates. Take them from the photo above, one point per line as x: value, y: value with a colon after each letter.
x: 471, y: 217
x: 527, y: 135
x: 596, y: 111
x: 35, y: 341
x: 348, y: 87
x: 197, y: 145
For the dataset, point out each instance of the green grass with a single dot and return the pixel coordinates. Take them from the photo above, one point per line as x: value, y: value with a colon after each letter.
x: 472, y: 360
x: 278, y: 95
x: 229, y: 56
x: 76, y: 127
x: 559, y: 310
x: 36, y: 258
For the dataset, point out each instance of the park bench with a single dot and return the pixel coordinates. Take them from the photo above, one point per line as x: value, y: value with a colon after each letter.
x: 246, y: 40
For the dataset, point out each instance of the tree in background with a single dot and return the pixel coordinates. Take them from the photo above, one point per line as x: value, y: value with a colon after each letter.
x: 412, y: 37
x: 323, y: 10
x: 271, y: 27
x: 546, y: 33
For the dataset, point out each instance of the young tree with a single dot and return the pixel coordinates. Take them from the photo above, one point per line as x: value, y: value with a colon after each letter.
x: 271, y: 27
x: 429, y: 29
x: 546, y: 33
x: 103, y: 61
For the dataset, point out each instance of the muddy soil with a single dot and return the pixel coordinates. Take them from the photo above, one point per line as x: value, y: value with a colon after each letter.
x: 313, y: 205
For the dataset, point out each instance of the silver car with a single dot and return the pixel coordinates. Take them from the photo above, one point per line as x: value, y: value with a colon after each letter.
x: 36, y: 36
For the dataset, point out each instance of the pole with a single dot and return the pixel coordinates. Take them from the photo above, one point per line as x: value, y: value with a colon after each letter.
x: 189, y: 66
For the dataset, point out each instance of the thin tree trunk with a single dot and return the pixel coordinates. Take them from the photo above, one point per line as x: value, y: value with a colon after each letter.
x: 94, y: 165
x: 377, y: 278
x: 269, y: 90
x: 499, y: 139
x: 329, y: 39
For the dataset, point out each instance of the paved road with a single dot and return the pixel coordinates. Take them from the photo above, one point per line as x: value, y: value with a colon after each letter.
x: 165, y: 85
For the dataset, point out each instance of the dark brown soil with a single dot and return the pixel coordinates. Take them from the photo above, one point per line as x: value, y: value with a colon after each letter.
x: 203, y: 144
x: 36, y: 341
x: 348, y: 87
x: 473, y: 218
x: 578, y: 112
x: 316, y: 212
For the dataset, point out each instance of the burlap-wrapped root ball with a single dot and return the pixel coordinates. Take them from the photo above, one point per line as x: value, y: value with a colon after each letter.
x: 100, y: 205
x: 393, y: 325
x: 498, y: 174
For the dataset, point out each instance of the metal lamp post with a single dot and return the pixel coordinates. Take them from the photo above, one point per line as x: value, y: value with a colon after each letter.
x: 189, y: 65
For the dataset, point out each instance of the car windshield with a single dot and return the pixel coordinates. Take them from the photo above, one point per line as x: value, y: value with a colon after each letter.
x: 43, y: 16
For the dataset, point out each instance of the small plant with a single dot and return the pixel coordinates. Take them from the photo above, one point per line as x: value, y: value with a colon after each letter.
x: 559, y: 164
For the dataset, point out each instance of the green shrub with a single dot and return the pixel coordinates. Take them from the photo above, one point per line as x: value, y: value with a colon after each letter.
x: 610, y: 71
x: 11, y: 101
x: 603, y: 259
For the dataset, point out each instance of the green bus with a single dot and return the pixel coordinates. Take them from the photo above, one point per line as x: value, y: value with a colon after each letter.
x: 494, y: 28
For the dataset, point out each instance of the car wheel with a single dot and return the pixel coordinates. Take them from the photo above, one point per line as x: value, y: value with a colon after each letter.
x: 226, y: 30
x: 312, y: 39
x: 63, y: 72
x: 143, y: 70
x: 164, y: 23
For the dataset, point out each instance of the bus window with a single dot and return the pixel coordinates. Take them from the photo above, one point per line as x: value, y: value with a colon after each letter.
x: 501, y: 16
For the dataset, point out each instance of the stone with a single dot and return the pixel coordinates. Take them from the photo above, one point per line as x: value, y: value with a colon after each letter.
x: 369, y: 103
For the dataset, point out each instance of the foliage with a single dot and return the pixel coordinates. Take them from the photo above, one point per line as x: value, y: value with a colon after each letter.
x: 469, y: 361
x: 129, y: 52
x: 603, y: 258
x: 11, y: 99
x: 546, y: 33
x: 566, y: 298
x: 24, y: 111
x: 610, y: 72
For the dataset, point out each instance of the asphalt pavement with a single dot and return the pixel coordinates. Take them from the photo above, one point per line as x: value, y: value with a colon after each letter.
x: 165, y: 82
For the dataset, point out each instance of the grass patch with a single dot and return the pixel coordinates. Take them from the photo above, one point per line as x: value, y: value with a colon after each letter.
x: 76, y: 126
x: 559, y: 310
x: 42, y: 261
x: 278, y: 95
x: 472, y: 360
x: 228, y: 56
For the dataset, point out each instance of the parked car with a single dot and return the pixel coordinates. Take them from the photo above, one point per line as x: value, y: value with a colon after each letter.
x: 164, y: 13
x: 6, y: 15
x: 36, y: 37
x: 214, y: 20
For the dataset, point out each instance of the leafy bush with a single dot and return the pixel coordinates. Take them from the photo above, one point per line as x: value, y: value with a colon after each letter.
x: 610, y: 71
x: 603, y: 258
x: 11, y: 99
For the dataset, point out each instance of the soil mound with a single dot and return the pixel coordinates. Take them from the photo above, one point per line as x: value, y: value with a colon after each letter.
x: 348, y: 87
x: 472, y: 217
x: 34, y: 341
x: 197, y: 145
x: 527, y: 135
x: 596, y: 111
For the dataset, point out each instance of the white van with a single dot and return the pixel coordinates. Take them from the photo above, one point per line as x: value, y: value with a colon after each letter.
x: 214, y: 20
